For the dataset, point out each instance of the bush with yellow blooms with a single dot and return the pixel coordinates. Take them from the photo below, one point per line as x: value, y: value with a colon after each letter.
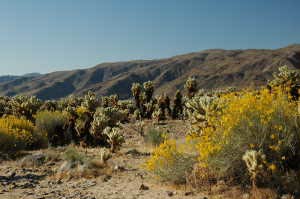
x: 18, y: 134
x: 263, y: 121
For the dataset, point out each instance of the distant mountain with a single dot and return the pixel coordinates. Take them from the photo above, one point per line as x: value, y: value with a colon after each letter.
x: 215, y: 68
x: 6, y: 78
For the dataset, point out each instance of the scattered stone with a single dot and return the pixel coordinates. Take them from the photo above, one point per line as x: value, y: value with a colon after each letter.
x: 144, y: 187
x: 189, y: 193
x: 170, y: 193
x: 246, y: 196
x: 287, y: 196
x: 106, y: 178
x: 119, y: 168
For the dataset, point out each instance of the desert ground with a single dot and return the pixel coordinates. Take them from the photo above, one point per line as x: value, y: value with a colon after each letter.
x: 122, y: 178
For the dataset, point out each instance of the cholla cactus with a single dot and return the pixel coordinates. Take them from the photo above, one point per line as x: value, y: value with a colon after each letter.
x: 167, y: 105
x: 105, y: 117
x: 137, y: 115
x: 115, y: 138
x: 158, y: 115
x: 70, y: 101
x: 126, y: 105
x: 25, y: 106
x: 90, y: 101
x: 149, y: 108
x: 198, y: 108
x: 136, y: 90
x: 191, y: 86
x: 254, y: 162
x: 49, y: 105
x: 104, y: 154
x: 178, y: 105
x: 149, y: 89
x: 287, y: 79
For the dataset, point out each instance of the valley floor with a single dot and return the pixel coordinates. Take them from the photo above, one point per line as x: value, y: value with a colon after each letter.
x: 125, y: 178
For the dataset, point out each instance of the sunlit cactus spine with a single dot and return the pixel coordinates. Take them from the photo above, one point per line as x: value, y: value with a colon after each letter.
x: 149, y: 89
x: 191, y: 86
x: 177, y: 105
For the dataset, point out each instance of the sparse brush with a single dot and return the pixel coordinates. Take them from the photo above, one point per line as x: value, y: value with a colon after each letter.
x: 171, y: 162
x: 73, y: 156
x: 155, y: 136
x: 52, y: 124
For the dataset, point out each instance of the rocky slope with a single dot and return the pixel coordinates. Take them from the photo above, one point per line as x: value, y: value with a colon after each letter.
x: 213, y: 69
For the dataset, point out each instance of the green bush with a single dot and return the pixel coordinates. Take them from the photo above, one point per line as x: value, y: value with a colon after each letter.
x: 52, y: 124
x: 154, y: 137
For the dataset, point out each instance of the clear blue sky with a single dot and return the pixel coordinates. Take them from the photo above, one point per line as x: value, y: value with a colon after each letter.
x: 50, y: 35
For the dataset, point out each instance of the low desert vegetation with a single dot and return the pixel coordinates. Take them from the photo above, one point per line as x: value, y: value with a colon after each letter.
x: 248, y: 137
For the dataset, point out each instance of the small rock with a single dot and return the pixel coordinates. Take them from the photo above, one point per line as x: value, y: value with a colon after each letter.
x: 144, y: 187
x: 106, y: 178
x: 246, y: 196
x: 119, y: 168
x: 287, y: 196
x: 188, y: 193
x: 170, y: 193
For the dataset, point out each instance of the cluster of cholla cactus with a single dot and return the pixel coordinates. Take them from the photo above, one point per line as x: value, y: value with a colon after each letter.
x: 159, y: 108
x: 4, y: 105
x: 287, y: 79
x: 106, y: 117
x: 25, y: 106
x: 191, y: 87
x: 114, y: 137
x: 198, y: 109
x: 254, y: 161
x: 178, y: 106
x: 90, y: 102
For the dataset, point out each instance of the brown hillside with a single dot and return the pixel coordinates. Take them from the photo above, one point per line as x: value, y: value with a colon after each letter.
x: 213, y: 69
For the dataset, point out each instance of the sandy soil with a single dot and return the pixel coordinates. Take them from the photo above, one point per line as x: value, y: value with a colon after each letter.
x: 125, y: 179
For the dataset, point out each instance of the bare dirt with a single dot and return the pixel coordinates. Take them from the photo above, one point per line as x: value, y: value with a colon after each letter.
x: 124, y: 178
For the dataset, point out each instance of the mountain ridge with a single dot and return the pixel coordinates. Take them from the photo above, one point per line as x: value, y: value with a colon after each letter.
x: 213, y: 68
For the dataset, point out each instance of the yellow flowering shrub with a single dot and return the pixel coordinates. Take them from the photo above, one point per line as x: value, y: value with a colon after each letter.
x: 171, y: 162
x: 17, y: 134
x: 251, y: 120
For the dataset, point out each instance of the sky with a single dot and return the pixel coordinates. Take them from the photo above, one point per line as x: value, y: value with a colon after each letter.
x: 51, y: 35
